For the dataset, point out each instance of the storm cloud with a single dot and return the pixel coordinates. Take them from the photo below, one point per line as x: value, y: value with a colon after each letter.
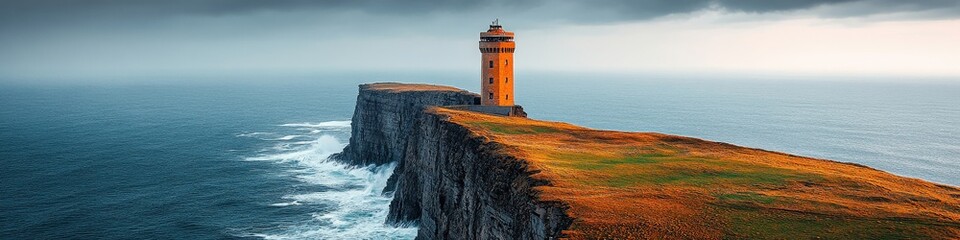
x: 70, y: 37
x: 14, y: 12
x: 18, y: 16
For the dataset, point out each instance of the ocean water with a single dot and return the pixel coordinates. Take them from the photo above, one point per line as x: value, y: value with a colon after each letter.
x: 215, y: 159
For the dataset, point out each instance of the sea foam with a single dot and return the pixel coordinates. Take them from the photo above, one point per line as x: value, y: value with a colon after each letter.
x: 350, y: 204
x: 329, y: 124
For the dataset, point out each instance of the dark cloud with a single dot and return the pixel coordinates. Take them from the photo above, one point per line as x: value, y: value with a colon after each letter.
x: 778, y: 5
x: 925, y: 9
x: 14, y: 11
x: 116, y: 37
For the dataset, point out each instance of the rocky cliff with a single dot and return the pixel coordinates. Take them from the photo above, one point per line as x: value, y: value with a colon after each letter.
x: 385, y: 115
x: 461, y: 174
x: 453, y: 184
x: 459, y: 185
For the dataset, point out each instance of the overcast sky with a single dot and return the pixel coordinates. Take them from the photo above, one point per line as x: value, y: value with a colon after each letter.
x: 103, y: 38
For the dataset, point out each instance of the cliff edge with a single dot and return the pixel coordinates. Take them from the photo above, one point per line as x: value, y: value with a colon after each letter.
x: 384, y: 117
x: 466, y: 175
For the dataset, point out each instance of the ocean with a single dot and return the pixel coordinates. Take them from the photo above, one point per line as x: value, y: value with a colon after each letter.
x: 178, y: 158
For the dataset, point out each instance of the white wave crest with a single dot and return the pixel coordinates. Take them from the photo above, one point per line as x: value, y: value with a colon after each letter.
x: 253, y: 134
x: 351, y: 205
x: 317, y: 151
x: 285, y: 138
x: 284, y: 204
x: 328, y: 124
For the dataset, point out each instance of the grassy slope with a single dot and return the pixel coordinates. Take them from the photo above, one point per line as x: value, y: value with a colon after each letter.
x: 649, y: 185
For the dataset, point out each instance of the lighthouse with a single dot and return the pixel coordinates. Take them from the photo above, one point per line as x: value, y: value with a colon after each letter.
x: 496, y: 66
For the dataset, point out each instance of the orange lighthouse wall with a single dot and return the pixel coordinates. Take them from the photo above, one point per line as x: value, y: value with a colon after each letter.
x: 496, y: 67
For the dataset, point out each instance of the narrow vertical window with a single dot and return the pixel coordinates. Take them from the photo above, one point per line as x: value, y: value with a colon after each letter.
x: 491, y: 96
x: 507, y: 81
x: 508, y: 96
x: 491, y: 64
x: 506, y: 62
x: 491, y: 80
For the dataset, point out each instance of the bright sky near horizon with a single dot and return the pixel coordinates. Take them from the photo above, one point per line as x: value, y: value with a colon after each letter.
x: 63, y: 39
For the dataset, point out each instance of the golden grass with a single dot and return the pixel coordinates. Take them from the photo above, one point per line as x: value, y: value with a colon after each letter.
x: 649, y: 185
x: 409, y: 87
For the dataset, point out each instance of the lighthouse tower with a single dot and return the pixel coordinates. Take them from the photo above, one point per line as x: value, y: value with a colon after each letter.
x: 496, y: 66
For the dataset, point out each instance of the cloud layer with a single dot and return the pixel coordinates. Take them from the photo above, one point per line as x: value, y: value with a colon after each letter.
x: 96, y: 37
x: 16, y: 12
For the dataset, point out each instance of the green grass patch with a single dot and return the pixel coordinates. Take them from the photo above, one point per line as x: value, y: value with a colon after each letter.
x: 513, y: 129
x: 586, y: 161
x: 696, y: 177
x: 697, y: 172
x: 669, y: 169
x: 635, y: 159
x: 757, y: 223
x: 746, y: 197
x: 666, y: 165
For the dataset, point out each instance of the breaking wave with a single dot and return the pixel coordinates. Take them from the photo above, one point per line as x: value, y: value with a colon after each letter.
x: 346, y: 202
x: 330, y: 124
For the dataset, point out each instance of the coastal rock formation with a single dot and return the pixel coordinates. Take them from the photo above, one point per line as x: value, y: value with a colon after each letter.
x: 449, y: 182
x: 384, y: 118
x: 462, y: 174
x: 458, y: 185
x: 632, y: 185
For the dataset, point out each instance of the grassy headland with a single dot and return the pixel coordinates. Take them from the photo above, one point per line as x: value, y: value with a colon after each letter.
x: 654, y: 186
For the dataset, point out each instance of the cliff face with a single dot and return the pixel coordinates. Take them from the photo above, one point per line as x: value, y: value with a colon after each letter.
x: 385, y: 114
x: 453, y: 184
x: 466, y: 175
x: 630, y: 185
x: 458, y: 185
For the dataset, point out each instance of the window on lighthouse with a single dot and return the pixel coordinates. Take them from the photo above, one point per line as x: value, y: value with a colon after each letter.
x: 491, y: 64
x: 507, y: 81
x: 506, y: 62
x: 491, y: 96
x: 491, y: 80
